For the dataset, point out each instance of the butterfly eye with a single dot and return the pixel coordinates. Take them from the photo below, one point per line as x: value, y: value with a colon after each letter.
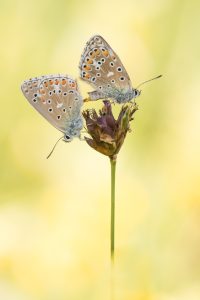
x: 67, y: 138
x: 136, y: 93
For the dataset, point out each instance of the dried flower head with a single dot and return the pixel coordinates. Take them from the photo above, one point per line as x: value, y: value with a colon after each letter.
x: 108, y: 134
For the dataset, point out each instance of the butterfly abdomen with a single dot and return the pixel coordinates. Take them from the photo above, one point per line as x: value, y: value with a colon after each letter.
x: 118, y: 96
x: 96, y: 95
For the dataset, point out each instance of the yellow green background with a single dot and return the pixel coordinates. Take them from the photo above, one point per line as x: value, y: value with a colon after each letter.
x: 55, y: 214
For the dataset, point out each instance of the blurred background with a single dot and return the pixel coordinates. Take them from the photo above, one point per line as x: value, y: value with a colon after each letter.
x: 55, y: 214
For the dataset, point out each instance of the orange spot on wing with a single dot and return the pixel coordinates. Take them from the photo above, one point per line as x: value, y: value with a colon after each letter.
x: 87, y: 68
x: 64, y: 81
x: 105, y: 53
x: 57, y: 81
x: 87, y: 75
x: 51, y: 81
x: 92, y: 54
x: 73, y: 85
x: 90, y: 61
x: 98, y: 52
x: 43, y: 99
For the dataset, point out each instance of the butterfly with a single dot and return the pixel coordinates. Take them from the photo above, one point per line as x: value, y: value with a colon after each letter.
x: 101, y: 67
x: 58, y: 100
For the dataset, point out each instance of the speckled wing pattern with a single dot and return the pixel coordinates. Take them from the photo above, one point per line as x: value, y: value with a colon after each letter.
x: 55, y: 97
x: 101, y: 67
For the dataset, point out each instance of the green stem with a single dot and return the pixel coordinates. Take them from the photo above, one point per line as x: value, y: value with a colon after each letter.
x: 113, y: 161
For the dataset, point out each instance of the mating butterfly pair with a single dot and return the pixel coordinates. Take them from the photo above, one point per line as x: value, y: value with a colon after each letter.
x: 57, y: 97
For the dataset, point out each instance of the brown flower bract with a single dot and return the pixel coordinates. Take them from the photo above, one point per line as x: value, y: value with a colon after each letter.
x: 108, y: 134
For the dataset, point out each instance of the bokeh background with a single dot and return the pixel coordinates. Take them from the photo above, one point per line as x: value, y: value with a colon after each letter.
x: 55, y: 214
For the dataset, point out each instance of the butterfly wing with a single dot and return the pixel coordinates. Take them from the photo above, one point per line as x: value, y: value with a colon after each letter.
x: 101, y: 67
x: 55, y: 97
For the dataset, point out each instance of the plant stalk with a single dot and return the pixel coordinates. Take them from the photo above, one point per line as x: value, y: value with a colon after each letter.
x: 113, y: 161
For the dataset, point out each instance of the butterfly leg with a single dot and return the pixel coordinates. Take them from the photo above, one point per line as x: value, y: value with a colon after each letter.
x: 112, y: 102
x: 87, y: 99
x: 132, y: 102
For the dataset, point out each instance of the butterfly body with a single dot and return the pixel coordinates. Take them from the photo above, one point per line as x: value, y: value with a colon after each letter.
x: 117, y: 95
x: 57, y: 99
x: 73, y: 129
x: 102, y: 68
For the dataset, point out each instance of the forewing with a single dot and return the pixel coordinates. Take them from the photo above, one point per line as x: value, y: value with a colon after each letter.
x: 101, y: 66
x: 55, y: 97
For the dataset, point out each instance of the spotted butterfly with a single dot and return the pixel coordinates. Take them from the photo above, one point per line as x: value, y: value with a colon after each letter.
x: 58, y: 100
x: 102, y: 68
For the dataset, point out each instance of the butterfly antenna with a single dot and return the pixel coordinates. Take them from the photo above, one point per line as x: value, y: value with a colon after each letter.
x: 54, y: 147
x: 148, y: 81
